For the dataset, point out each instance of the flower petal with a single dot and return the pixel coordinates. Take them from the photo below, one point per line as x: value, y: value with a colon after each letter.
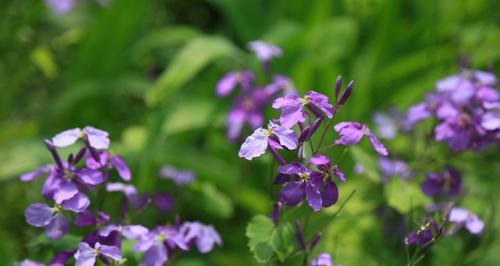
x: 255, y: 145
x: 292, y: 193
x: 330, y: 195
x: 98, y: 139
x: 67, y: 137
x: 313, y: 196
x: 112, y: 252
x: 57, y: 227
x: 121, y: 167
x: 85, y: 255
x: 77, y: 203
x: 39, y: 214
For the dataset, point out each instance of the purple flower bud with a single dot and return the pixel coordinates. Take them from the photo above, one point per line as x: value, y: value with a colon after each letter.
x: 314, y: 241
x: 346, y: 93
x: 338, y: 86
x: 300, y: 236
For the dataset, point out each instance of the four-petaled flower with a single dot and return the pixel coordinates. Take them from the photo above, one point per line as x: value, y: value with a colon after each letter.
x: 463, y: 217
x: 87, y: 256
x: 449, y: 183
x: 204, y: 236
x: 274, y: 137
x: 292, y: 107
x: 350, y: 133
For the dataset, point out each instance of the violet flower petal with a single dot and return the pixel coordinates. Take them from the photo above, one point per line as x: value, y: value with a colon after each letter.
x: 38, y: 214
x: 255, y: 145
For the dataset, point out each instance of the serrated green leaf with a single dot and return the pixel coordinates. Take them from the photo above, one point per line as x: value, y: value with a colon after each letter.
x: 259, y: 232
x: 193, y: 57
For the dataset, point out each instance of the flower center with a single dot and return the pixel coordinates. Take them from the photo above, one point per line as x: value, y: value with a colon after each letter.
x: 303, y: 177
x: 57, y: 208
x: 268, y: 132
x: 305, y: 100
x: 68, y: 174
x: 162, y: 237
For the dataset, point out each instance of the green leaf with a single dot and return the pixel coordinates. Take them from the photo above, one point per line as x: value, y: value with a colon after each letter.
x: 259, y: 232
x: 282, y: 241
x: 404, y: 196
x: 192, y: 58
x: 367, y: 161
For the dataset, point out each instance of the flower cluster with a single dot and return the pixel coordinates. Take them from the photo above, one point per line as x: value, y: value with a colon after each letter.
x: 467, y: 109
x: 249, y: 105
x: 300, y: 119
x: 72, y: 183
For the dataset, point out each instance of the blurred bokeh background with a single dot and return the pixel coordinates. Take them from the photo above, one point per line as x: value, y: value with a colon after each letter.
x: 145, y: 71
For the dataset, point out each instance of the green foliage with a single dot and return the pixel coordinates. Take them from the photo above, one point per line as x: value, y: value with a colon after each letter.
x: 266, y: 240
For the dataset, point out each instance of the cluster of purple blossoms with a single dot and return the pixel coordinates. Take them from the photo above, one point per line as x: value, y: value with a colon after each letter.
x: 69, y: 186
x: 301, y: 117
x: 467, y: 109
x: 249, y: 105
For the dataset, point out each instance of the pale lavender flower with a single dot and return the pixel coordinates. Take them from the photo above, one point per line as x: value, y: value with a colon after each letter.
x: 264, y: 51
x: 96, y: 138
x: 60, y: 6
x: 128, y: 231
x: 179, y: 177
x: 157, y: 244
x: 204, y: 236
x: 390, y: 168
x: 232, y: 80
x: 463, y: 217
x: 275, y: 137
x: 29, y: 263
x: 324, y: 259
x: 87, y: 256
x: 108, y: 161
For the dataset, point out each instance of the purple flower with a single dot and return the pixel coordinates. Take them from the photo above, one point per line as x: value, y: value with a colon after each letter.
x: 96, y: 138
x: 128, y: 231
x: 264, y: 51
x: 130, y: 193
x: 26, y: 177
x: 55, y: 223
x: 61, y: 6
x: 386, y: 126
x: 292, y: 107
x: 417, y: 113
x: 61, y: 258
x: 233, y: 79
x: 204, y: 236
x: 302, y: 182
x: 463, y: 217
x: 87, y: 218
x: 350, y: 133
x: 29, y: 263
x: 86, y: 255
x: 179, y: 177
x: 390, y: 168
x: 107, y: 161
x: 274, y: 137
x: 448, y: 183
x: 164, y: 202
x: 324, y: 259
x: 157, y: 244
x: 424, y: 236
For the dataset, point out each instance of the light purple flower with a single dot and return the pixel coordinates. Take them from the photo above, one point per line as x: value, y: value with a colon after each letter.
x: 129, y: 191
x: 292, y: 107
x: 264, y: 51
x: 179, y: 177
x: 204, y: 236
x: 60, y: 6
x: 87, y: 256
x: 417, y: 113
x: 386, y: 126
x: 275, y: 137
x: 55, y: 223
x: 157, y: 244
x: 29, y: 263
x: 350, y: 133
x: 324, y: 259
x: 128, y: 231
x: 390, y: 168
x: 233, y: 79
x: 106, y: 162
x: 96, y: 138
x: 463, y: 217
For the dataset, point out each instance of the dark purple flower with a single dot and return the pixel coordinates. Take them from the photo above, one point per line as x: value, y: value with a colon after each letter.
x: 55, y: 223
x: 97, y: 139
x: 350, y: 133
x: 264, y: 51
x: 324, y: 259
x: 87, y: 256
x: 274, y: 136
x: 157, y: 244
x: 448, y: 183
x: 424, y: 236
x: 204, y: 236
x: 61, y: 258
x: 179, y: 177
x: 164, y: 202
x: 87, y: 218
x: 463, y: 217
x: 302, y: 182
x: 233, y: 79
x: 292, y: 107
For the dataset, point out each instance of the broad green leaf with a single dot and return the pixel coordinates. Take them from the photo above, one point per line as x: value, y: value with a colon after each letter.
x: 192, y: 58
x: 282, y: 241
x: 404, y: 196
x: 259, y: 232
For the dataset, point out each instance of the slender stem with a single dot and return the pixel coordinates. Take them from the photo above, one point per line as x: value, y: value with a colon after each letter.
x: 325, y: 130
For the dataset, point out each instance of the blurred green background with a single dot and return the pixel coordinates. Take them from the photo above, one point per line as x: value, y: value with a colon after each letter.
x: 145, y: 71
